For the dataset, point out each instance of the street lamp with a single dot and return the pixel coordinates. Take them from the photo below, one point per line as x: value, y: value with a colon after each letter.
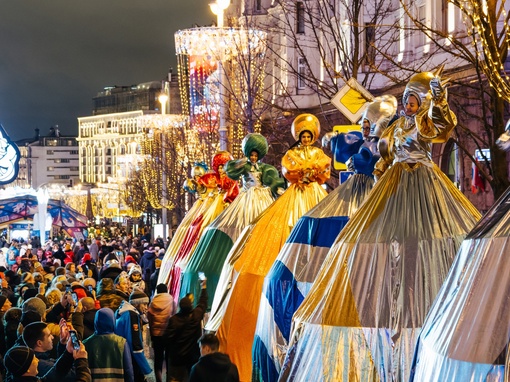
x: 163, y: 99
x: 218, y: 9
x: 42, y: 207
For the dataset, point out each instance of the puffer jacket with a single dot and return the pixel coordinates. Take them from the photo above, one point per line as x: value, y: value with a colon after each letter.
x: 160, y: 310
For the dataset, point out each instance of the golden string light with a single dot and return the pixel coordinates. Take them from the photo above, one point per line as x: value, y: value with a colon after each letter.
x: 482, y: 25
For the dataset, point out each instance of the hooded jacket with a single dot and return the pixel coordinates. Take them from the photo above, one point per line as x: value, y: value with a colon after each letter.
x: 214, y: 367
x: 109, y: 355
x: 160, y: 310
x: 148, y: 263
x: 129, y: 325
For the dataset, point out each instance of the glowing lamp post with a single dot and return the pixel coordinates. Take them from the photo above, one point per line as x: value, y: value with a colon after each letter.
x: 163, y: 99
x: 218, y: 8
x: 42, y: 201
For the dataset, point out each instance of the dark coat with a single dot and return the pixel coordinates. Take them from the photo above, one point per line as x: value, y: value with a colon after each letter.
x: 214, y: 367
x: 183, y: 331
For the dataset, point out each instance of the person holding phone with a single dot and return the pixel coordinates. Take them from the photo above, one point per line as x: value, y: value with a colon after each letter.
x: 38, y: 337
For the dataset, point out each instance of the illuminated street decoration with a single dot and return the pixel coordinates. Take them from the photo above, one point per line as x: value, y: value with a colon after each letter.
x: 488, y: 41
x: 201, y: 53
x: 169, y: 148
x: 9, y: 158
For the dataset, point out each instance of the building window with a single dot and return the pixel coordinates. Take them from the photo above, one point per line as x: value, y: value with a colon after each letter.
x: 258, y: 5
x: 62, y: 160
x: 74, y: 152
x: 50, y: 168
x: 300, y: 17
x: 301, y: 73
x: 49, y: 152
x: 74, y: 169
x: 422, y: 18
x: 62, y: 177
x: 369, y: 46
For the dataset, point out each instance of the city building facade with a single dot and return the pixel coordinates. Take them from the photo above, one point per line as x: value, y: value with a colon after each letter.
x: 48, y: 160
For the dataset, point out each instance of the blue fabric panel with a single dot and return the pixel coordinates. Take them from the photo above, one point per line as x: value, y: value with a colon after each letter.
x: 317, y: 232
x: 263, y: 366
x: 282, y: 293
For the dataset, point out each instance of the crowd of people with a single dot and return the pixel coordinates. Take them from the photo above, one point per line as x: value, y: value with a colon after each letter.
x: 92, y: 310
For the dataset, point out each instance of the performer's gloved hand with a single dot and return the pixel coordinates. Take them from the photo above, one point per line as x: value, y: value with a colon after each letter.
x: 438, y: 88
x: 327, y: 138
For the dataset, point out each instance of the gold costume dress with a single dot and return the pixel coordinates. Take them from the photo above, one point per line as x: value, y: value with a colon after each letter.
x: 362, y: 316
x: 237, y: 299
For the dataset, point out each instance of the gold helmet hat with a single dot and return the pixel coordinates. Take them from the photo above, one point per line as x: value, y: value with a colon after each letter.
x: 306, y: 122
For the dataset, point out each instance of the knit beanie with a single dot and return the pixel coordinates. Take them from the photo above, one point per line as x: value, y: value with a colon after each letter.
x: 34, y: 304
x: 18, y: 360
x: 28, y: 317
x: 137, y: 297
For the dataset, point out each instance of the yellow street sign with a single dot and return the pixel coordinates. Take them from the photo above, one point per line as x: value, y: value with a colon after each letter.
x: 351, y: 99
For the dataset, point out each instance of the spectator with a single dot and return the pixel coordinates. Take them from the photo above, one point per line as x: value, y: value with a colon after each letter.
x: 154, y: 277
x: 10, y: 323
x: 122, y: 285
x: 161, y: 309
x: 84, y: 317
x: 213, y: 366
x: 135, y: 278
x: 107, y: 296
x: 110, y: 358
x: 147, y: 262
x: 183, y: 331
x: 70, y: 270
x: 69, y: 253
x: 13, y: 253
x: 80, y: 253
x: 129, y: 325
x: 39, y: 339
x: 5, y: 305
x: 89, y: 267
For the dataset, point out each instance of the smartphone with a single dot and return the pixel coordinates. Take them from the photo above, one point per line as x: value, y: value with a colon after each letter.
x: 201, y: 276
x: 74, y: 339
x: 90, y: 288
x: 75, y: 298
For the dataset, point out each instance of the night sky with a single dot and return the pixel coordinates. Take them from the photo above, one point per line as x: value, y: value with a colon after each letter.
x: 55, y: 55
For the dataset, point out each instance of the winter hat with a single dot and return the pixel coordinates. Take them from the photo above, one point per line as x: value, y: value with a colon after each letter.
x: 3, y: 299
x: 86, y: 257
x: 28, y: 317
x: 34, y: 304
x: 137, y: 297
x: 17, y: 360
x: 29, y: 293
x: 32, y: 332
x: 130, y: 259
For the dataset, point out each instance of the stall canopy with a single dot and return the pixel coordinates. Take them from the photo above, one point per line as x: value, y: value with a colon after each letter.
x: 26, y: 206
